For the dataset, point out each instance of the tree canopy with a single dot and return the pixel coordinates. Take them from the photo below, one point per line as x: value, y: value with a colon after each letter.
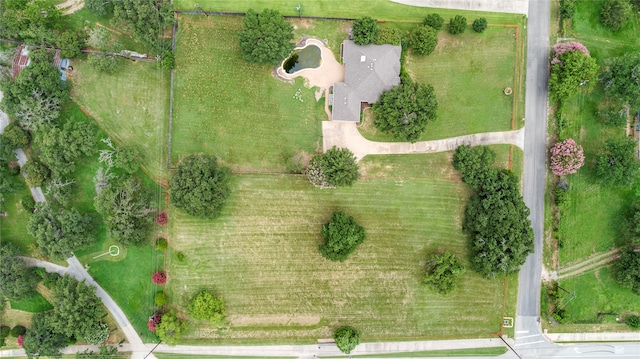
x: 434, y: 20
x: 171, y: 328
x: 59, y: 232
x: 457, y: 25
x: 424, y: 40
x: 347, y: 338
x: 616, y: 162
x: 573, y: 71
x: 41, y: 339
x: 365, y: 31
x: 336, y: 167
x: 15, y: 136
x: 566, y: 157
x: 342, y: 234
x: 479, y: 25
x: 442, y: 271
x: 614, y: 14
x: 405, y: 110
x: 622, y: 78
x: 206, y: 306
x: 265, y: 37
x: 37, y: 173
x: 59, y: 148
x: 627, y: 269
x: 199, y: 186
x: 146, y: 19
x: 496, y: 217
x: 31, y: 21
x: 16, y: 281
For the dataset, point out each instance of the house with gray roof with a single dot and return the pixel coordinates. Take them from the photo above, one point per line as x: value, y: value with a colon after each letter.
x: 369, y: 70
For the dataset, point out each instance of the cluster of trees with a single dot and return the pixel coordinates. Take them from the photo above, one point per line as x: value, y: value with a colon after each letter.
x: 200, y: 186
x: 168, y: 326
x: 496, y: 217
x: 76, y: 315
x: 265, y: 37
x: 16, y: 280
x: 406, y: 109
x: 342, y: 235
x: 616, y: 162
x: 207, y: 307
x: 334, y: 168
x: 572, y: 70
x: 12, y: 138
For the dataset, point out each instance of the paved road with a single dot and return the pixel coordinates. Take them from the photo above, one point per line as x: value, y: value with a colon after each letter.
x: 346, y: 135
x: 509, y: 6
x: 528, y: 308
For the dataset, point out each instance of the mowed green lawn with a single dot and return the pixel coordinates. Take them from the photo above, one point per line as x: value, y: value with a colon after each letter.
x: 233, y: 109
x: 380, y: 9
x: 131, y: 106
x: 262, y: 257
x: 13, y: 227
x: 469, y: 73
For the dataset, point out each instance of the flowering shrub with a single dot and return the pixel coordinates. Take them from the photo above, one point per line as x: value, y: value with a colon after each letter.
x: 153, y: 321
x: 566, y: 157
x: 162, y: 219
x: 159, y: 278
x: 559, y: 49
x: 20, y: 340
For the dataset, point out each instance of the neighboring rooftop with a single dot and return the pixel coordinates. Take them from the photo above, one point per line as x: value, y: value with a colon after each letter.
x: 369, y: 70
x: 21, y: 60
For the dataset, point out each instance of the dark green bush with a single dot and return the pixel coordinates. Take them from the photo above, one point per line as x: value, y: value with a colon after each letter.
x: 457, y: 25
x: 567, y: 9
x: 28, y: 203
x: 479, y: 25
x: 434, y: 20
x: 18, y: 330
x: 4, y: 331
x: 633, y: 321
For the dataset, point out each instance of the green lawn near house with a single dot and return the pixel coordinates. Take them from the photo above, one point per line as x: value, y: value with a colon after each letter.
x: 130, y: 106
x: 35, y: 304
x: 262, y: 257
x: 236, y: 110
x: 13, y: 227
x: 469, y: 73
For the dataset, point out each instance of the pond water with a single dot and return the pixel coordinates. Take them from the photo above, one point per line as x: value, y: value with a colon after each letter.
x: 306, y: 58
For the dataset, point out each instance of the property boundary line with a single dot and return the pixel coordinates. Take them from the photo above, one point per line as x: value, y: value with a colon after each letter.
x: 173, y: 51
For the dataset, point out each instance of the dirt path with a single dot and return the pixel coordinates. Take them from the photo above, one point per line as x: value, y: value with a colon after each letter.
x: 346, y: 134
x: 70, y: 6
x: 588, y: 263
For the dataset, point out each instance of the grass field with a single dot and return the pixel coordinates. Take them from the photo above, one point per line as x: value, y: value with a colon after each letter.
x: 35, y: 304
x: 131, y: 106
x: 469, y: 73
x: 494, y: 351
x: 263, y: 259
x: 380, y: 9
x: 233, y: 109
x: 13, y: 227
x: 598, y: 292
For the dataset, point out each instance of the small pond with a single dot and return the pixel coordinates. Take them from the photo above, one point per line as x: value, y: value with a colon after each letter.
x: 306, y: 58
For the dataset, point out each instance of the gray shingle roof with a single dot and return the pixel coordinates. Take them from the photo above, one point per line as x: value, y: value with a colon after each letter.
x: 369, y: 70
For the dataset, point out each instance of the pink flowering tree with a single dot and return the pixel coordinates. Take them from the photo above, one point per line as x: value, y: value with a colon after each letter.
x: 20, y: 341
x: 154, y: 320
x: 566, y: 157
x: 159, y: 278
x: 162, y: 219
x: 559, y: 49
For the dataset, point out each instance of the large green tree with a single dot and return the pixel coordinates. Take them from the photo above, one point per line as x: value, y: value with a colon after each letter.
x: 37, y: 173
x: 342, y: 235
x: 424, y: 40
x: 365, y: 31
x: 622, y: 78
x: 59, y: 148
x: 405, y: 110
x: 442, y: 271
x: 573, y: 71
x: 171, y: 328
x: 126, y: 208
x: 457, y: 25
x: 77, y: 309
x: 334, y: 168
x: 16, y: 280
x: 33, y: 21
x: 200, y: 186
x: 266, y: 37
x: 614, y: 14
x: 474, y: 163
x: 616, y: 162
x: 41, y: 339
x: 59, y: 232
x: 15, y: 136
x: 347, y: 338
x: 627, y: 269
x: 206, y: 306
